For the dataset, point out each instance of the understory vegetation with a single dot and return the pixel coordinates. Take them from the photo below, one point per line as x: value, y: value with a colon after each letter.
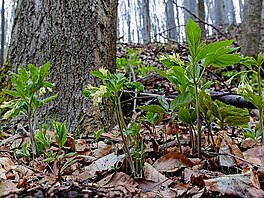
x: 181, y: 125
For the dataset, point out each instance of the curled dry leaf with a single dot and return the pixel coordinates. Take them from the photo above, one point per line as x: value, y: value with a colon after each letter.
x: 234, y: 185
x: 154, y: 180
x: 172, y: 162
x: 119, y: 181
x: 103, y: 164
x: 5, y: 166
x: 255, y: 155
x: 102, y: 150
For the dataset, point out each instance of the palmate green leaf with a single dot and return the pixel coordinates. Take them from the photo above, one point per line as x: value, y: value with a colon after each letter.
x: 223, y: 60
x: 48, y: 99
x: 152, y: 108
x: 212, y: 48
x: 186, y: 115
x: 181, y: 100
x: 44, y: 71
x: 248, y: 62
x: 164, y: 103
x: 23, y: 74
x: 11, y: 93
x: 260, y: 59
x: 97, y: 74
x: 59, y: 133
x: 193, y: 33
x: 15, y: 106
x: 34, y: 73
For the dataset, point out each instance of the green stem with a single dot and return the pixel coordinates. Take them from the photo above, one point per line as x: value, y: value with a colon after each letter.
x: 177, y: 136
x: 260, y: 109
x: 199, y: 133
x: 120, y: 124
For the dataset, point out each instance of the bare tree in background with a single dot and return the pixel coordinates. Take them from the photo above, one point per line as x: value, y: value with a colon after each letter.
x: 170, y: 22
x: 201, y: 16
x: 251, y: 27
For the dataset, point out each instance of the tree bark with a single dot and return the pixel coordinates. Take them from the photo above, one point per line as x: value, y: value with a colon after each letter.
x: 76, y: 36
x: 2, y: 51
x: 201, y: 16
x: 170, y: 22
x: 251, y: 27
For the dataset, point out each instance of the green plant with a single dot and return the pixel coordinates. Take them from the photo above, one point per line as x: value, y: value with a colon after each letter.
x: 138, y: 146
x: 23, y: 152
x: 29, y: 86
x: 97, y: 135
x: 60, y: 134
x: 254, y: 66
x: 253, y: 134
x: 42, y: 141
x: 112, y: 89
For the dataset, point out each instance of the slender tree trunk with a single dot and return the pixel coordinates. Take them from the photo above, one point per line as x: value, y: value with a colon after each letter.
x: 201, y: 16
x: 76, y: 36
x: 251, y: 27
x: 171, y: 25
x: 2, y: 51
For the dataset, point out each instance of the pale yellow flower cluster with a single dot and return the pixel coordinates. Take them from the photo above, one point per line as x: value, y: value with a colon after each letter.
x: 243, y: 88
x: 98, y: 95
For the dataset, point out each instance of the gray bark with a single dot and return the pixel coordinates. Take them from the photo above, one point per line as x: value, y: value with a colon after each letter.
x: 76, y: 36
x: 251, y: 27
x: 219, y: 12
x: 190, y: 5
x: 171, y: 25
x: 201, y: 16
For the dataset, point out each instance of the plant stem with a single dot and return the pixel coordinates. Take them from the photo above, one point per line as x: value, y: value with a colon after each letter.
x: 120, y: 119
x: 260, y: 109
x: 31, y: 132
x: 199, y: 131
x: 177, y: 136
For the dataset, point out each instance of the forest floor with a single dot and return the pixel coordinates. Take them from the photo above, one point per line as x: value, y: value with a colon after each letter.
x: 231, y: 164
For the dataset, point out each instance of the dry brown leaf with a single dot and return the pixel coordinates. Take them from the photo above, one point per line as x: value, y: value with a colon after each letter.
x: 255, y: 155
x: 172, y: 162
x: 103, y: 164
x: 82, y: 147
x: 121, y: 180
x: 154, y: 180
x: 234, y: 185
x: 248, y: 143
x: 102, y: 150
x: 225, y: 160
x: 6, y: 187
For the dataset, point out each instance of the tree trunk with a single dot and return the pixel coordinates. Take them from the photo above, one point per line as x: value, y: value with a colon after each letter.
x: 2, y: 51
x: 170, y: 22
x: 201, y: 16
x: 76, y: 36
x: 251, y: 27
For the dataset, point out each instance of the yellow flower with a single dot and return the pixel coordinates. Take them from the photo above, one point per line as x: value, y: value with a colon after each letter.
x: 176, y: 58
x: 103, y: 71
x: 98, y: 95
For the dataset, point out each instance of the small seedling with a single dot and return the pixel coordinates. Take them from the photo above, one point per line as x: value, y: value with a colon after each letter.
x: 97, y: 135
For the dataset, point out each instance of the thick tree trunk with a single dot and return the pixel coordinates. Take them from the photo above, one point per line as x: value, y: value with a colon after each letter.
x: 76, y: 36
x: 251, y: 27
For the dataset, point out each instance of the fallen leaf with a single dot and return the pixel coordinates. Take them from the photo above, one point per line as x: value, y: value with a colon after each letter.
x: 234, y: 185
x: 255, y: 155
x: 121, y: 180
x: 172, y: 162
x: 153, y: 179
x: 103, y: 164
x: 102, y: 150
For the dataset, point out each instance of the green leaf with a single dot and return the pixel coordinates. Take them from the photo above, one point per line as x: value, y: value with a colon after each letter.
x: 71, y: 154
x: 49, y: 160
x: 11, y: 93
x: 164, y: 103
x: 222, y: 60
x: 152, y: 108
x: 184, y: 115
x: 34, y: 73
x: 48, y: 99
x: 97, y: 74
x: 193, y: 33
x: 44, y: 71
x: 181, y: 100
